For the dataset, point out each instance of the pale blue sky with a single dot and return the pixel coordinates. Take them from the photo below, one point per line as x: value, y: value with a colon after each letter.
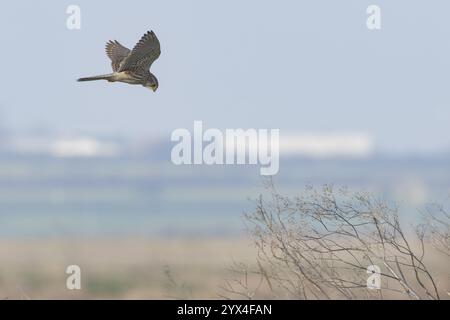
x: 294, y: 65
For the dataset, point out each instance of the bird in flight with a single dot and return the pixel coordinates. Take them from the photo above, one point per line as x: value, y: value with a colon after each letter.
x: 132, y: 66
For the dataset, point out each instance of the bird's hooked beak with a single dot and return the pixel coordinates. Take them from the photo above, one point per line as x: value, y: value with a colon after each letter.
x: 153, y: 87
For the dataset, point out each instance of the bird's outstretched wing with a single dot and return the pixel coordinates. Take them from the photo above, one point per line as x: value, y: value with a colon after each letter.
x: 117, y: 53
x: 146, y: 51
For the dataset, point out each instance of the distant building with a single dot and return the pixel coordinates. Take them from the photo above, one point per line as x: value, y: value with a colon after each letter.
x: 326, y: 145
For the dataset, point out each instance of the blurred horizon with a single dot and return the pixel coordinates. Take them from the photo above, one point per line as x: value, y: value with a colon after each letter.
x: 82, y: 185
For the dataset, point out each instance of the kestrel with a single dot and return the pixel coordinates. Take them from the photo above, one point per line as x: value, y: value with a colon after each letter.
x: 132, y: 66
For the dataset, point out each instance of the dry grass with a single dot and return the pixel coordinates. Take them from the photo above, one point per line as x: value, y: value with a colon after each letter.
x: 119, y: 268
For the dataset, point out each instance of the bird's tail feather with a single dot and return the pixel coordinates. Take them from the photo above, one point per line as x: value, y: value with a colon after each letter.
x: 100, y: 77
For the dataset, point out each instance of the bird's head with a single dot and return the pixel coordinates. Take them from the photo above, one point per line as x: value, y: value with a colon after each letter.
x: 152, y: 83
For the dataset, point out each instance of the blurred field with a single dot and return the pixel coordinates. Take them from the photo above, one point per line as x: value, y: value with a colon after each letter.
x: 140, y: 268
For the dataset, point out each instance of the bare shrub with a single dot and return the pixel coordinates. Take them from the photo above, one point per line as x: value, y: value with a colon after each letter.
x: 320, y: 244
x: 437, y: 221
